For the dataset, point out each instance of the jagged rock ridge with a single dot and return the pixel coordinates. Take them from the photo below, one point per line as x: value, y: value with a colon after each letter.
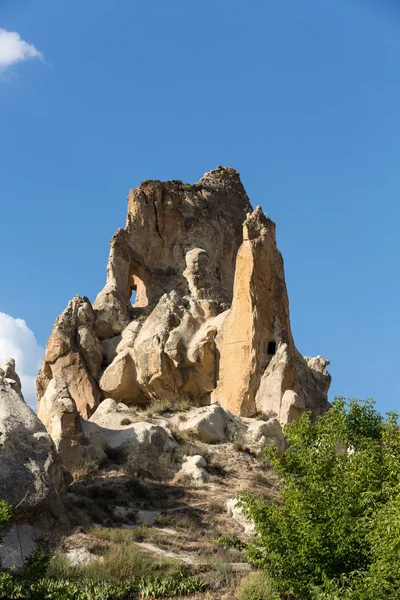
x: 195, y: 307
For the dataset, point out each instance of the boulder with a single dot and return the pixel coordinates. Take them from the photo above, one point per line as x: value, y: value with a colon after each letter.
x: 236, y: 512
x: 114, y: 415
x: 261, y: 433
x: 208, y: 424
x: 146, y: 448
x: 194, y: 468
x: 119, y: 380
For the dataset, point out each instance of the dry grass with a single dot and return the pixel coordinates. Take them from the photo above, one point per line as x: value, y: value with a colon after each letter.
x: 87, y: 469
x: 120, y: 562
x: 255, y: 586
x: 160, y: 406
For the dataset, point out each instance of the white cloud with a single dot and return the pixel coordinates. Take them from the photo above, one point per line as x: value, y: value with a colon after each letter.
x: 18, y: 341
x: 13, y: 49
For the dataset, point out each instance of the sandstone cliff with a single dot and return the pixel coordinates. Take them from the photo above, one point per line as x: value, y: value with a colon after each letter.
x: 195, y: 307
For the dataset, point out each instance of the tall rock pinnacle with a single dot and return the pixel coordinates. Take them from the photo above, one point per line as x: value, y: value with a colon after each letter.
x: 195, y: 306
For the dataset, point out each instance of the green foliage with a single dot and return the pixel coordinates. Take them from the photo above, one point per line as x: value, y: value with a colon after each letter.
x: 35, y: 566
x: 231, y: 542
x: 181, y: 584
x: 336, y: 532
x: 5, y: 513
x: 5, y: 510
x: 91, y: 589
x: 48, y: 589
x: 256, y: 586
x: 123, y: 573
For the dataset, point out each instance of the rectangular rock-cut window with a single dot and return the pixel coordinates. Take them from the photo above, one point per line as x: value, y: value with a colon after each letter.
x: 271, y: 348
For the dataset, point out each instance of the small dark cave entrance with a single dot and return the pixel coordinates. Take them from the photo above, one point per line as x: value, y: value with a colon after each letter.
x: 271, y: 349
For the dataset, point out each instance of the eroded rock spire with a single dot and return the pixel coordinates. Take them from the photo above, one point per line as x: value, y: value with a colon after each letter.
x: 195, y: 307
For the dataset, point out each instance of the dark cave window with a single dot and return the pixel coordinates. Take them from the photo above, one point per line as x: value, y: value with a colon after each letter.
x: 271, y: 348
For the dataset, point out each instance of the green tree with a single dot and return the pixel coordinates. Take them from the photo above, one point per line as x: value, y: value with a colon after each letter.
x: 335, y: 533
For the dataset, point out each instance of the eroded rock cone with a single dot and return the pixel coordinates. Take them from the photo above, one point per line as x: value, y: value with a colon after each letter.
x: 31, y: 473
x: 195, y: 307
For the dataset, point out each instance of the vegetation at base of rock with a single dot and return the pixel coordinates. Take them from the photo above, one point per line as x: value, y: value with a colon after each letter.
x: 5, y: 513
x: 256, y: 586
x: 335, y: 534
x: 86, y: 469
x: 95, y: 581
x: 161, y: 405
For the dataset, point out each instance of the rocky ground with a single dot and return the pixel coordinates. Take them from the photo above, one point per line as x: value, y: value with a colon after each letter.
x: 179, y: 521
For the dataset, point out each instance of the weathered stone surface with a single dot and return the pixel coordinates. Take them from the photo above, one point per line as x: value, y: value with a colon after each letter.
x: 235, y: 511
x: 8, y: 372
x: 208, y: 424
x: 261, y: 433
x: 74, y: 353
x: 258, y: 359
x: 114, y: 415
x: 208, y: 322
x: 258, y: 321
x: 148, y: 449
x: 194, y: 468
x: 31, y: 474
x: 119, y: 380
x: 58, y: 412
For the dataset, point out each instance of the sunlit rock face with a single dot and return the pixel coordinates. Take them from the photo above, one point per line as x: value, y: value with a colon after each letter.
x: 195, y: 307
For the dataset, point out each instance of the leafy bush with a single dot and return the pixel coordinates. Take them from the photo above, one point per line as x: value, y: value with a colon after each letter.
x: 35, y: 566
x: 181, y: 584
x: 256, y: 586
x: 336, y: 532
x: 91, y: 589
x: 48, y: 589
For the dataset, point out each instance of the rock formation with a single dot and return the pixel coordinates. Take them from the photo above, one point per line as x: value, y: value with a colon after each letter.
x: 31, y: 473
x: 195, y: 308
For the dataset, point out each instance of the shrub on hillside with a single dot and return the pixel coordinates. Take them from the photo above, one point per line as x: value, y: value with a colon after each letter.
x: 256, y: 586
x: 335, y: 534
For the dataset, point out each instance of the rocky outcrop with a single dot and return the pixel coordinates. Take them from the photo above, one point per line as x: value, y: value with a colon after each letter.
x: 259, y: 363
x: 9, y: 375
x: 63, y: 422
x: 146, y: 448
x: 195, y: 308
x: 31, y: 473
x: 73, y: 353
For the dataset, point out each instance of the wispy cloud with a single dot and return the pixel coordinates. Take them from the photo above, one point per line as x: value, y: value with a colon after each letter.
x: 13, y: 50
x: 19, y: 342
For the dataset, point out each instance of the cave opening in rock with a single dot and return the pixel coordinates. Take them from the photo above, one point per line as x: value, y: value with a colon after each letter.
x: 271, y: 348
x: 136, y: 288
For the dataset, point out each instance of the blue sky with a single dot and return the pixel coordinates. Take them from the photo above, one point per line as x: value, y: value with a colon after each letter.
x: 303, y: 98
